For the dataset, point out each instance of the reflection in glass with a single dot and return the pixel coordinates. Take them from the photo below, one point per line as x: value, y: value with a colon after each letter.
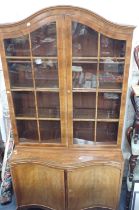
x: 111, y: 73
x: 83, y: 132
x: 108, y: 105
x: 84, y: 40
x: 27, y: 130
x: 111, y: 47
x: 20, y: 73
x: 50, y: 131
x: 48, y: 104
x: 17, y: 46
x: 84, y: 74
x: 107, y: 132
x: 24, y: 103
x: 44, y: 41
x: 46, y: 73
x: 84, y: 105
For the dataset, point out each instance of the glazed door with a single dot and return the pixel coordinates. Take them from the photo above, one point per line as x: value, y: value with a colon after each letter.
x: 93, y: 187
x: 35, y: 65
x: 95, y: 75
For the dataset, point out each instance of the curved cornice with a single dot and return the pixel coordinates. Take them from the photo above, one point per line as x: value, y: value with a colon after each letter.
x: 74, y: 12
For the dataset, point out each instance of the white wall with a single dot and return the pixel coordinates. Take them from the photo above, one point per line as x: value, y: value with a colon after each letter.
x: 118, y: 11
x: 125, y: 11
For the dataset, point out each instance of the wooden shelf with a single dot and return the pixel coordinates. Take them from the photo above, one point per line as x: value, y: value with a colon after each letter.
x: 85, y: 61
x: 20, y: 61
x: 47, y: 89
x: 14, y: 89
x: 107, y: 120
x: 26, y: 118
x: 36, y: 118
x: 31, y: 57
x: 96, y: 120
x: 52, y: 119
x: 74, y: 90
x: 35, y: 89
x: 82, y: 90
x: 99, y: 57
x: 109, y: 90
x: 86, y: 90
x: 81, y: 119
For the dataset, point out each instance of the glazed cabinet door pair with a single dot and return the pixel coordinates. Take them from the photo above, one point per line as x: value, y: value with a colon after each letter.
x: 64, y: 81
x: 84, y: 188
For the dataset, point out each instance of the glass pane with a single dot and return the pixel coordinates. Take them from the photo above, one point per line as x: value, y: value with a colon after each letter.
x: 83, y: 132
x: 24, y: 103
x: 46, y: 73
x: 27, y: 130
x: 84, y: 40
x: 84, y: 73
x: 108, y: 105
x: 111, y: 73
x: 17, y: 46
x: 20, y: 73
x: 44, y: 41
x: 84, y: 105
x: 111, y: 47
x: 50, y: 131
x: 48, y: 104
x: 107, y: 131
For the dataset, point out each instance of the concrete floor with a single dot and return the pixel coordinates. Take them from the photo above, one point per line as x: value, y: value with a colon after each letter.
x: 12, y: 205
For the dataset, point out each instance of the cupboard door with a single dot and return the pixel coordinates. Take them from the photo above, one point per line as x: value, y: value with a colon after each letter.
x: 39, y: 185
x: 93, y: 186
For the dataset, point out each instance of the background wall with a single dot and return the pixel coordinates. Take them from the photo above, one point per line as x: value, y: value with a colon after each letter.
x: 122, y: 12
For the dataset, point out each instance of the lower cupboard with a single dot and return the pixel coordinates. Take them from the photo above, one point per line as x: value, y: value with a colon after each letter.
x: 40, y: 186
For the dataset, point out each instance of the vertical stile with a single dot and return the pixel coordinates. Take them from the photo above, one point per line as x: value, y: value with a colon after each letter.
x: 98, y: 60
x: 68, y: 53
x: 62, y: 76
x: 34, y: 85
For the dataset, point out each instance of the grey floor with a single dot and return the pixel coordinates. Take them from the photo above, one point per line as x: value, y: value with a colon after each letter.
x: 12, y: 205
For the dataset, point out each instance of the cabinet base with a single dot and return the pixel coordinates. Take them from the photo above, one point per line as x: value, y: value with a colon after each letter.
x: 32, y: 207
x: 84, y: 180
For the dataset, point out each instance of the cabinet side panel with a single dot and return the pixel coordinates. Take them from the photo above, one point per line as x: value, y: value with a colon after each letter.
x: 95, y: 186
x: 36, y: 184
